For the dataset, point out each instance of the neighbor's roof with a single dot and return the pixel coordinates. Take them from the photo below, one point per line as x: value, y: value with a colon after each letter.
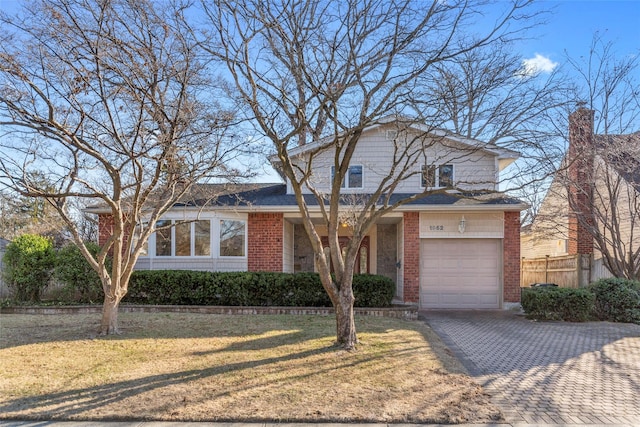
x: 622, y: 152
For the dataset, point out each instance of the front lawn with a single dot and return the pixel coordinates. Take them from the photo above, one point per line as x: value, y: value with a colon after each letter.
x: 203, y: 367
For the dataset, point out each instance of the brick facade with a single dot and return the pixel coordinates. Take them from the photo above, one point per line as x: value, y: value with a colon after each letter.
x: 265, y: 237
x: 580, y: 181
x: 511, y: 257
x: 411, y: 263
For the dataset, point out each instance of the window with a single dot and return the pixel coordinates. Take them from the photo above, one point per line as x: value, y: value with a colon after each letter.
x: 192, y: 238
x: 445, y: 176
x: 183, y: 239
x: 232, y: 238
x: 163, y: 238
x: 353, y: 177
x: 136, y: 238
x: 202, y: 237
x: 437, y: 176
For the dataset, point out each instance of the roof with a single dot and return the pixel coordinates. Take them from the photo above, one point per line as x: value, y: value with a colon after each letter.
x: 275, y: 196
x: 622, y: 152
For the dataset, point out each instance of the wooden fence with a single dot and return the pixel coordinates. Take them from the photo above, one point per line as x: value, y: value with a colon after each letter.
x: 570, y: 271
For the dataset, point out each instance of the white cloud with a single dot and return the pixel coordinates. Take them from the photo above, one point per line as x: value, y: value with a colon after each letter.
x: 537, y: 65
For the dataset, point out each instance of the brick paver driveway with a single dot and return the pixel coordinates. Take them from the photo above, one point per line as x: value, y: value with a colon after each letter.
x: 548, y: 372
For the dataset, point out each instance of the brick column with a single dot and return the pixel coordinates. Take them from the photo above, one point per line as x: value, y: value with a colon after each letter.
x: 105, y: 228
x: 511, y: 257
x: 411, y: 262
x: 580, y: 181
x: 265, y: 241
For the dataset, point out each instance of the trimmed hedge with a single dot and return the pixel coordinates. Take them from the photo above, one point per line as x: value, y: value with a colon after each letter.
x: 617, y: 300
x: 573, y: 305
x: 184, y: 287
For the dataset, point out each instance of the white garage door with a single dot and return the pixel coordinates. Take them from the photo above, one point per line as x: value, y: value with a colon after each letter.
x: 460, y: 273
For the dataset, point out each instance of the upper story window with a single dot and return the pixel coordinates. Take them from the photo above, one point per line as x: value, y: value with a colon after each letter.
x: 353, y: 177
x: 437, y: 176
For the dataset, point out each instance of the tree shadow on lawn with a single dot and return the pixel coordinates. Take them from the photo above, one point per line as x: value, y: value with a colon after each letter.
x: 25, y: 329
x: 83, y: 403
x: 70, y: 404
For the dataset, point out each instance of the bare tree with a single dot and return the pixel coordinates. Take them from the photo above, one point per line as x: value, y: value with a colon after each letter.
x: 599, y: 175
x: 615, y: 227
x: 111, y: 102
x: 491, y: 94
x: 318, y: 73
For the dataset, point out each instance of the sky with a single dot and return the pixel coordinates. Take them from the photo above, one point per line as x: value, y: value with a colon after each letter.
x: 572, y: 24
x: 570, y: 27
x: 569, y: 30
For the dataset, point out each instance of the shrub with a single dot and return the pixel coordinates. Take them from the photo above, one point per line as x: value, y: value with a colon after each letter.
x: 372, y: 290
x: 29, y: 262
x: 617, y: 300
x: 572, y: 305
x: 182, y: 287
x: 80, y: 282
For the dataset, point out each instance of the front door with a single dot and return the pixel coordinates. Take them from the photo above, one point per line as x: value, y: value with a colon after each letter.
x: 362, y: 262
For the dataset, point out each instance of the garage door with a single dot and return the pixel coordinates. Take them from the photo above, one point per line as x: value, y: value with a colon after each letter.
x: 460, y: 273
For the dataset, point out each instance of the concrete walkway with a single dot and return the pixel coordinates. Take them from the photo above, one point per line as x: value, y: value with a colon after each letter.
x: 548, y: 372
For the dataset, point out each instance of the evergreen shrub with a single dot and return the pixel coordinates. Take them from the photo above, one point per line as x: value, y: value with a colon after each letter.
x: 551, y: 303
x: 184, y: 287
x: 28, y: 266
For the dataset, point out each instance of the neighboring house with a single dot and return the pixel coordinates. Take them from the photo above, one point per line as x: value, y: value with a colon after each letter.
x: 599, y: 181
x: 447, y: 250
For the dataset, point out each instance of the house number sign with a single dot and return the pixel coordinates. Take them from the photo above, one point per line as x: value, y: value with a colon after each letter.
x: 436, y: 228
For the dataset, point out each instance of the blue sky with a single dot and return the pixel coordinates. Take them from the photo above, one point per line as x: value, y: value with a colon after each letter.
x: 572, y: 23
x: 571, y: 26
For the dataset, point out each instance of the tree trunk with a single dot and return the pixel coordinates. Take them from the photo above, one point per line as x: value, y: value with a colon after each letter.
x: 345, y: 319
x: 109, y: 325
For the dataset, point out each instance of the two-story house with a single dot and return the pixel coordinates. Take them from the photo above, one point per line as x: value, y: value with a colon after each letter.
x: 449, y: 249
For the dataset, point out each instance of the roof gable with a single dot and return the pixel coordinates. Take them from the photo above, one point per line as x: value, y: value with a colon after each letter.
x: 395, y: 122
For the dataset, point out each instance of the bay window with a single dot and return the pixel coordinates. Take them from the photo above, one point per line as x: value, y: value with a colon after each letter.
x: 198, y: 238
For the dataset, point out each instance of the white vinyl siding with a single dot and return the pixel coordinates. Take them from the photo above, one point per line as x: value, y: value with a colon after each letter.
x: 187, y: 263
x: 473, y: 170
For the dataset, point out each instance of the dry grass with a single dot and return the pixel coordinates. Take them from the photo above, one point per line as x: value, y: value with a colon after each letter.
x: 202, y: 367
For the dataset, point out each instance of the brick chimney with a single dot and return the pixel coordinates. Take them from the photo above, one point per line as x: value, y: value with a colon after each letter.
x: 580, y: 181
